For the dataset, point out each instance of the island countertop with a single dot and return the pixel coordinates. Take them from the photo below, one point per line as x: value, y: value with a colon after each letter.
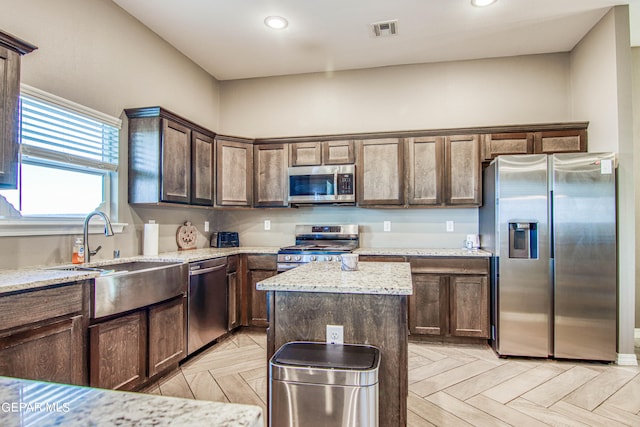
x: 380, y: 278
x: 27, y: 403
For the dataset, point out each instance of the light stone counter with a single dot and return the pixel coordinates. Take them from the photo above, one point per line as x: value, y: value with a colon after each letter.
x: 379, y: 278
x: 432, y: 252
x: 26, y: 403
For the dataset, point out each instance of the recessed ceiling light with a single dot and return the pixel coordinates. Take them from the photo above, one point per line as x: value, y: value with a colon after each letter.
x: 276, y: 22
x: 482, y: 3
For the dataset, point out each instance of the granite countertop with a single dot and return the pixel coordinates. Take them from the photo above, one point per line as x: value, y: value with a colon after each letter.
x: 42, y: 276
x: 27, y: 403
x: 382, y: 278
x: 433, y: 252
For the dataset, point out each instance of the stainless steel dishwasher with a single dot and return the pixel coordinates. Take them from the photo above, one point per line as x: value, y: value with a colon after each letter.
x: 207, y: 316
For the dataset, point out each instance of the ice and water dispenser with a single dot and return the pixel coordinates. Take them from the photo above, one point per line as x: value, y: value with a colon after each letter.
x: 523, y: 239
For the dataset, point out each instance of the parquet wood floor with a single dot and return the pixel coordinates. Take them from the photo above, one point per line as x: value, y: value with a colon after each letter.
x: 449, y: 385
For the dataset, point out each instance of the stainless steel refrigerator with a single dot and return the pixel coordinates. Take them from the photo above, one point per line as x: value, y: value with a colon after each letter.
x: 550, y: 222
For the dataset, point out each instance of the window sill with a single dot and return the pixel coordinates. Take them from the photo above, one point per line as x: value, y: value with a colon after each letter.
x: 42, y: 227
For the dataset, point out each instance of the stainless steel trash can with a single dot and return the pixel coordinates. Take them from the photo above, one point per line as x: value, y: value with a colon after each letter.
x: 317, y: 384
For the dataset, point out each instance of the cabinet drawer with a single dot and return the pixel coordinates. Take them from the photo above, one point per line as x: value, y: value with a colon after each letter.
x: 38, y: 305
x: 458, y: 265
x: 381, y: 258
x: 261, y: 262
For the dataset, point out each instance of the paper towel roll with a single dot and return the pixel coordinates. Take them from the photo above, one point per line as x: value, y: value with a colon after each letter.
x: 150, y: 244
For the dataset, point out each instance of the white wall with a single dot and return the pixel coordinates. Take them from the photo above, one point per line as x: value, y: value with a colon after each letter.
x: 635, y: 56
x: 93, y: 53
x: 517, y: 90
x: 601, y: 91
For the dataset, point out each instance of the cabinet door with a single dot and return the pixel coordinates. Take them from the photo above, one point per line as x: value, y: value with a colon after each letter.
x: 9, y: 117
x: 564, y: 141
x: 426, y: 170
x: 463, y: 170
x: 306, y: 154
x: 496, y: 144
x: 54, y: 352
x: 258, y: 316
x: 118, y: 352
x: 270, y: 175
x: 234, y: 175
x: 429, y: 305
x: 380, y: 172
x: 176, y: 162
x: 202, y: 169
x: 234, y: 300
x: 338, y: 152
x: 469, y: 306
x: 167, y: 335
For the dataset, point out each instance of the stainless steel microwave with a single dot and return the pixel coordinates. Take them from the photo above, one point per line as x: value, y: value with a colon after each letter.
x: 322, y: 184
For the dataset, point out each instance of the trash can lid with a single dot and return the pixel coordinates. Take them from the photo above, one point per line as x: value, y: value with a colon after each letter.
x: 320, y: 355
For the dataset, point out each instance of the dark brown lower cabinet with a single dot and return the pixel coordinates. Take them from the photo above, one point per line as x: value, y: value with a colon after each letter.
x: 118, y: 352
x: 54, y: 352
x: 128, y: 350
x: 259, y: 267
x: 167, y: 337
x: 450, y: 297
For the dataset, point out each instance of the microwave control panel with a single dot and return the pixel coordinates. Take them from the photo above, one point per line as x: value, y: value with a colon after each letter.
x: 345, y: 184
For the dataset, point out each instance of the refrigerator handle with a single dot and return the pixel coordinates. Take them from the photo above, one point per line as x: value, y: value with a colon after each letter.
x: 552, y: 243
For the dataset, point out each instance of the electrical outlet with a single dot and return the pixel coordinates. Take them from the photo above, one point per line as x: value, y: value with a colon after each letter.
x: 449, y: 226
x: 206, y: 226
x: 335, y: 334
x: 267, y: 225
x: 387, y: 226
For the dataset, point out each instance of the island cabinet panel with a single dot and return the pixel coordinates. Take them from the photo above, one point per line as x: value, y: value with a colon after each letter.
x: 378, y: 320
x: 259, y: 267
x: 270, y: 175
x: 10, y: 51
x: 450, y: 297
x: 167, y: 337
x: 306, y: 154
x: 234, y: 173
x: 425, y: 158
x: 338, y: 152
x: 380, y: 172
x: 203, y: 171
x: 119, y: 352
x: 54, y: 352
x: 43, y: 334
x: 463, y: 170
x: 562, y: 141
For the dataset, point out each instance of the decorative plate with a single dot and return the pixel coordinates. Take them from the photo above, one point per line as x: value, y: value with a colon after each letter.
x: 186, y: 236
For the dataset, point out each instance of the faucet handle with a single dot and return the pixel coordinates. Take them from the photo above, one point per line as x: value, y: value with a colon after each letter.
x: 95, y: 251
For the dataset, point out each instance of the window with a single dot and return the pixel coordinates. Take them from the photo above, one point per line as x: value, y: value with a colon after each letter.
x: 69, y: 160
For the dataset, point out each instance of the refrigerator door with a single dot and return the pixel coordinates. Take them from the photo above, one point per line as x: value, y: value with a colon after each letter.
x: 522, y: 293
x: 584, y: 246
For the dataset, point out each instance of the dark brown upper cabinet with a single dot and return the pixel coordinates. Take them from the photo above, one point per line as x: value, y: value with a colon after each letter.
x: 11, y: 49
x: 318, y: 153
x: 270, y: 187
x: 380, y: 172
x: 170, y: 159
x: 234, y: 172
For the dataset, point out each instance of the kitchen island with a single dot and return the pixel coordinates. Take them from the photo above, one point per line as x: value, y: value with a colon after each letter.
x: 371, y: 304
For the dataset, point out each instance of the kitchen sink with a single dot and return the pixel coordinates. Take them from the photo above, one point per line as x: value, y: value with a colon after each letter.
x: 125, y: 286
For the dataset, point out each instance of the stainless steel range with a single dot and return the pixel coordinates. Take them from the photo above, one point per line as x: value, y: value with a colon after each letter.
x: 323, y: 243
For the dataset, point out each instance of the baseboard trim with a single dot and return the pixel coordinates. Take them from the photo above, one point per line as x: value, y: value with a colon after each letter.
x: 627, y: 359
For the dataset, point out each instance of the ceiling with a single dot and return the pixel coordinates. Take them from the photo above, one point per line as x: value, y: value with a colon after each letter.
x: 230, y: 41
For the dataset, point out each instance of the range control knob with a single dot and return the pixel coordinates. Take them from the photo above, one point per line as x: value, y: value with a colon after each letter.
x: 328, y: 258
x: 312, y: 258
x: 287, y: 257
x: 338, y: 258
x: 297, y: 258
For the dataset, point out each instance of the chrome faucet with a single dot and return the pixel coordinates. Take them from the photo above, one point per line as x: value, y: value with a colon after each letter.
x: 108, y: 231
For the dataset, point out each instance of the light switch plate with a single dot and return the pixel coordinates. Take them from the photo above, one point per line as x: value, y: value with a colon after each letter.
x: 387, y: 226
x: 267, y: 225
x: 206, y: 226
x: 449, y: 226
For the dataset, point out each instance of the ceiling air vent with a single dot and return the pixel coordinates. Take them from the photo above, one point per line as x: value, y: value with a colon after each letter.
x: 385, y: 29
